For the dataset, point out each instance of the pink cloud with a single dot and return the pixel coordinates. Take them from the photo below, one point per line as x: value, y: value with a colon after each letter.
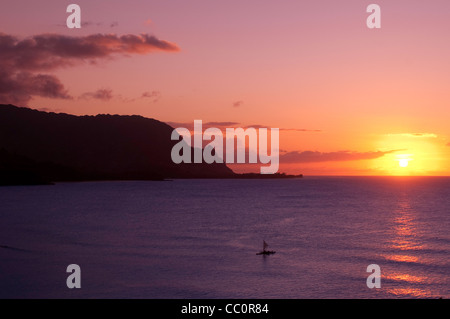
x: 312, y: 156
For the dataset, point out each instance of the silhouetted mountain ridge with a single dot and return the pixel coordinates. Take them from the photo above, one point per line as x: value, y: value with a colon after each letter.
x: 62, y: 147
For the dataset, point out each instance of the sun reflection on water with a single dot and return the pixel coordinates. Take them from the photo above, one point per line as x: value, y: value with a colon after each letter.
x: 404, y: 248
x: 411, y: 292
x: 406, y: 277
x: 402, y: 258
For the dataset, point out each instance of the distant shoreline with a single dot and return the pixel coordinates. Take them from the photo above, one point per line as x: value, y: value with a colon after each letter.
x: 34, y: 182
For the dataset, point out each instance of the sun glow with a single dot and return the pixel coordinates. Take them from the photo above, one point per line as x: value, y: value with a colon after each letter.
x: 412, y: 155
x: 400, y: 164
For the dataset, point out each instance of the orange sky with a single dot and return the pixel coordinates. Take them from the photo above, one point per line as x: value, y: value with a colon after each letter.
x: 357, y: 100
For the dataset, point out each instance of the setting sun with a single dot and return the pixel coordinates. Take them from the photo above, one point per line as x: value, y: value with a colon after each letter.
x: 403, y: 162
x: 403, y: 159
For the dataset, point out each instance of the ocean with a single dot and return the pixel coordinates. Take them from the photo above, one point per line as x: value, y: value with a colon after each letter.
x: 198, y: 239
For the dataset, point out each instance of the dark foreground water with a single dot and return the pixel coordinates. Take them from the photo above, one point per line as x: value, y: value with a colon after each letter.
x: 198, y: 238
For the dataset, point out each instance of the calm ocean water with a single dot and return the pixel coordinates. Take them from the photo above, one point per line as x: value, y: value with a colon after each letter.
x: 199, y: 238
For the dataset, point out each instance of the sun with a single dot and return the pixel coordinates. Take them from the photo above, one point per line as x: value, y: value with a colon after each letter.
x: 403, y: 162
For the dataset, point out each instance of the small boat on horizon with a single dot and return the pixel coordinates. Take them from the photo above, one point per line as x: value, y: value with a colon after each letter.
x: 265, y: 251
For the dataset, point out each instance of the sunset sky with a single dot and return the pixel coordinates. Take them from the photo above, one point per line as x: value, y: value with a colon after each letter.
x: 348, y: 100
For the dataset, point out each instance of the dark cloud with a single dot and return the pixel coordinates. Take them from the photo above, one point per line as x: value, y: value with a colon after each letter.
x: 222, y: 125
x: 48, y: 110
x: 238, y: 103
x: 312, y: 156
x: 50, y: 51
x: 299, y: 130
x: 205, y: 125
x: 85, y: 24
x: 19, y: 88
x: 22, y: 60
x: 153, y: 95
x: 285, y: 129
x: 100, y: 94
